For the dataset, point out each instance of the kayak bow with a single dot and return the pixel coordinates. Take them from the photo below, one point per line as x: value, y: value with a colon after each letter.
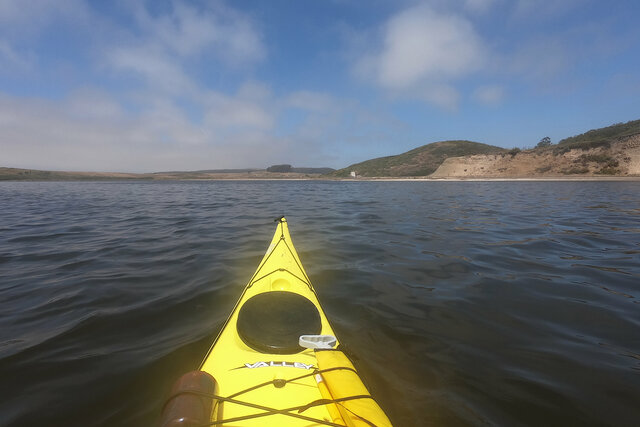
x: 276, y: 361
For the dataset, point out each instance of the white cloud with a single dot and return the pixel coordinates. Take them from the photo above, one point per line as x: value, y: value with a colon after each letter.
x: 489, y: 95
x: 93, y: 104
x: 249, y: 110
x: 211, y: 29
x: 226, y: 114
x: 166, y: 44
x: 172, y: 120
x: 154, y: 66
x: 92, y: 130
x: 254, y: 91
x: 422, y: 52
x: 421, y: 44
x: 58, y: 135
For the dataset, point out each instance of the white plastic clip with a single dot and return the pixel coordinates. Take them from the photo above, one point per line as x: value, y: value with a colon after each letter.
x: 317, y: 341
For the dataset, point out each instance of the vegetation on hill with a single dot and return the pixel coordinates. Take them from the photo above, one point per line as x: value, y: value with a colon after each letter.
x: 280, y: 168
x: 288, y: 168
x: 599, y: 137
x: 420, y: 161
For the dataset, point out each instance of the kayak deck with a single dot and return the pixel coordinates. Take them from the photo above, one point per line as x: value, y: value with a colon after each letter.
x: 264, y: 376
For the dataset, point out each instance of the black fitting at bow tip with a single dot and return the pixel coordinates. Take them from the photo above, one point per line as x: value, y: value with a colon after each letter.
x: 279, y: 219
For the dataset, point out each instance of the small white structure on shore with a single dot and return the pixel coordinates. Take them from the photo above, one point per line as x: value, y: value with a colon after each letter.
x: 353, y: 174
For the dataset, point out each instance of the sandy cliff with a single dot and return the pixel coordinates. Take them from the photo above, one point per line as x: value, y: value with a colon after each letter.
x: 621, y: 158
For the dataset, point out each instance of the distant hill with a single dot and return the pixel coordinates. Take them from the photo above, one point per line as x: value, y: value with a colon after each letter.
x: 602, y: 137
x: 420, y: 161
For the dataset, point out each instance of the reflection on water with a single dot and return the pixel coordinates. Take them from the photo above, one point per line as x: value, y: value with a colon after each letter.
x: 465, y: 303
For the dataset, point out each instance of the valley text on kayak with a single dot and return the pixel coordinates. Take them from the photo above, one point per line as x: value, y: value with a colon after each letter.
x: 280, y: 364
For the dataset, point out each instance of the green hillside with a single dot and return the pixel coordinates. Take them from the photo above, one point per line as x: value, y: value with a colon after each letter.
x: 16, y: 174
x: 420, y: 161
x: 600, y: 137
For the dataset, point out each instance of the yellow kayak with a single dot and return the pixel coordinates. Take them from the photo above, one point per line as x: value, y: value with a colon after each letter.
x: 276, y: 361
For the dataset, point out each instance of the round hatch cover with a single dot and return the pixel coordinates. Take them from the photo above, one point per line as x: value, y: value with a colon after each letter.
x: 272, y: 322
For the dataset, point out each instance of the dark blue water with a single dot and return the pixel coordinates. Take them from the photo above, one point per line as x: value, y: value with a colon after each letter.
x: 471, y: 303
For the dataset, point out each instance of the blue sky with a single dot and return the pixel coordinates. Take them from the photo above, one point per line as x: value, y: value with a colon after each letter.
x: 185, y: 85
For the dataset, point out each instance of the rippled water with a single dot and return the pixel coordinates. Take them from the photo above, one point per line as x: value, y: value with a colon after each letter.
x: 504, y: 303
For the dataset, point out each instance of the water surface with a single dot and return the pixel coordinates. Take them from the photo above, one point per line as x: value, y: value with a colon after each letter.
x: 466, y: 303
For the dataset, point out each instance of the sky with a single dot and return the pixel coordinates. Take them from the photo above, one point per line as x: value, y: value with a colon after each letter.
x: 143, y: 86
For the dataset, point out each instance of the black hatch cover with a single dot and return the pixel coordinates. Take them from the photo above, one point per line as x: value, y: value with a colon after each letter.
x: 272, y: 322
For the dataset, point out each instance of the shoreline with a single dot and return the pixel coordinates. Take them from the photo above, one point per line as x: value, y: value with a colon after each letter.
x: 360, y: 179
